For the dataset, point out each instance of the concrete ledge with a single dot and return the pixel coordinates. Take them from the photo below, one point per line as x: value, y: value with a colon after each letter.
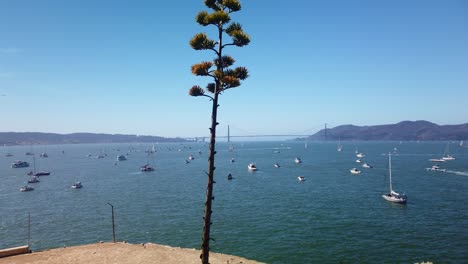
x: 14, y: 251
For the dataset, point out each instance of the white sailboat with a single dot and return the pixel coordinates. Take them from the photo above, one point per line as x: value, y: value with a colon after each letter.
x: 393, y: 196
x: 447, y: 155
x: 339, y: 148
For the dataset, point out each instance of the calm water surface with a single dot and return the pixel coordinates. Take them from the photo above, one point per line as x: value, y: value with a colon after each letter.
x: 266, y: 215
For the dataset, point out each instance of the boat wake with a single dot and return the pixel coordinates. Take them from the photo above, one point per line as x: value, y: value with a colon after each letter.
x: 461, y: 173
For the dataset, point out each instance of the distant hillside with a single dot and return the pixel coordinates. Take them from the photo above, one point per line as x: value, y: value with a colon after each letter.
x: 26, y: 138
x: 403, y: 131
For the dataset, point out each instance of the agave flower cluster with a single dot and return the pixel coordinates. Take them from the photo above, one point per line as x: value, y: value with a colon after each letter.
x: 219, y: 69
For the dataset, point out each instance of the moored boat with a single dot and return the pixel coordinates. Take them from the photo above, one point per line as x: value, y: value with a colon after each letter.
x: 34, y: 179
x: 146, y: 167
x: 393, y: 196
x: 252, y: 167
x: 77, y: 185
x: 121, y: 158
x: 354, y: 171
x: 20, y: 164
x: 26, y: 188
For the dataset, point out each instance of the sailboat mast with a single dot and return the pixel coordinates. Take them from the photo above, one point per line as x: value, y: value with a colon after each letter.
x: 390, y: 170
x: 34, y: 162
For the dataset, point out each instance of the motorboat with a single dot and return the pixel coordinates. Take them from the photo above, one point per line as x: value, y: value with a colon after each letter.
x: 358, y: 160
x: 44, y: 155
x: 28, y: 153
x: 276, y: 165
x: 146, y: 167
x: 367, y: 166
x: 301, y: 178
x: 229, y: 177
x: 191, y: 157
x: 354, y: 171
x: 19, y: 164
x: 437, y: 160
x: 393, y: 196
x: 233, y: 160
x: 297, y: 160
x: 121, y: 158
x: 100, y: 156
x: 34, y: 179
x: 26, y: 188
x: 77, y: 185
x: 360, y: 155
x: 436, y: 168
x: 252, y: 167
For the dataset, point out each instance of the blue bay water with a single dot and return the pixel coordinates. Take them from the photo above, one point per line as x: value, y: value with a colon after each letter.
x: 267, y: 215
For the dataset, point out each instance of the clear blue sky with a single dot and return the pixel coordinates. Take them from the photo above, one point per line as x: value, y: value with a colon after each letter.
x: 124, y: 66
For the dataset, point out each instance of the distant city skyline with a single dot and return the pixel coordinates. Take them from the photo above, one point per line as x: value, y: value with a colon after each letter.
x: 124, y: 67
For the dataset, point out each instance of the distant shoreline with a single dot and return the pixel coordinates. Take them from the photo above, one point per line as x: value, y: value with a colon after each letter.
x: 39, y: 138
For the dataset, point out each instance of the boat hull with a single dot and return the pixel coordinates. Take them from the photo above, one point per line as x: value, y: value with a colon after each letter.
x: 394, y: 199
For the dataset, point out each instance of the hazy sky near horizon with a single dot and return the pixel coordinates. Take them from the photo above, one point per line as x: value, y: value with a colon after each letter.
x: 124, y: 66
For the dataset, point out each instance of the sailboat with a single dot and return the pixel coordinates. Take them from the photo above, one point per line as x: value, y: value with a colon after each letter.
x: 393, y: 196
x: 147, y: 166
x: 339, y: 148
x: 41, y: 173
x: 447, y: 155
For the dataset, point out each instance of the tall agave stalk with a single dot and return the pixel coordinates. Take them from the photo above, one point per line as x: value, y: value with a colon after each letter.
x: 223, y: 78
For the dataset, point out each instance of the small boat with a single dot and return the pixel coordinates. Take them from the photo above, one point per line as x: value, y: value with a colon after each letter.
x: 360, y: 155
x: 191, y: 157
x: 121, y: 158
x: 358, y: 160
x: 146, y: 167
x: 233, y: 160
x: 42, y: 173
x: 77, y: 185
x: 26, y: 188
x: 19, y: 164
x: 276, y: 165
x: 354, y: 171
x: 436, y: 168
x: 34, y: 179
x: 229, y: 177
x: 448, y: 157
x: 28, y: 153
x: 297, y: 160
x: 8, y: 155
x: 339, y: 147
x: 393, y: 196
x: 276, y: 151
x: 99, y: 156
x: 367, y: 166
x: 301, y: 178
x: 43, y: 155
x: 252, y: 167
x: 30, y: 173
x: 187, y: 161
x: 437, y: 160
